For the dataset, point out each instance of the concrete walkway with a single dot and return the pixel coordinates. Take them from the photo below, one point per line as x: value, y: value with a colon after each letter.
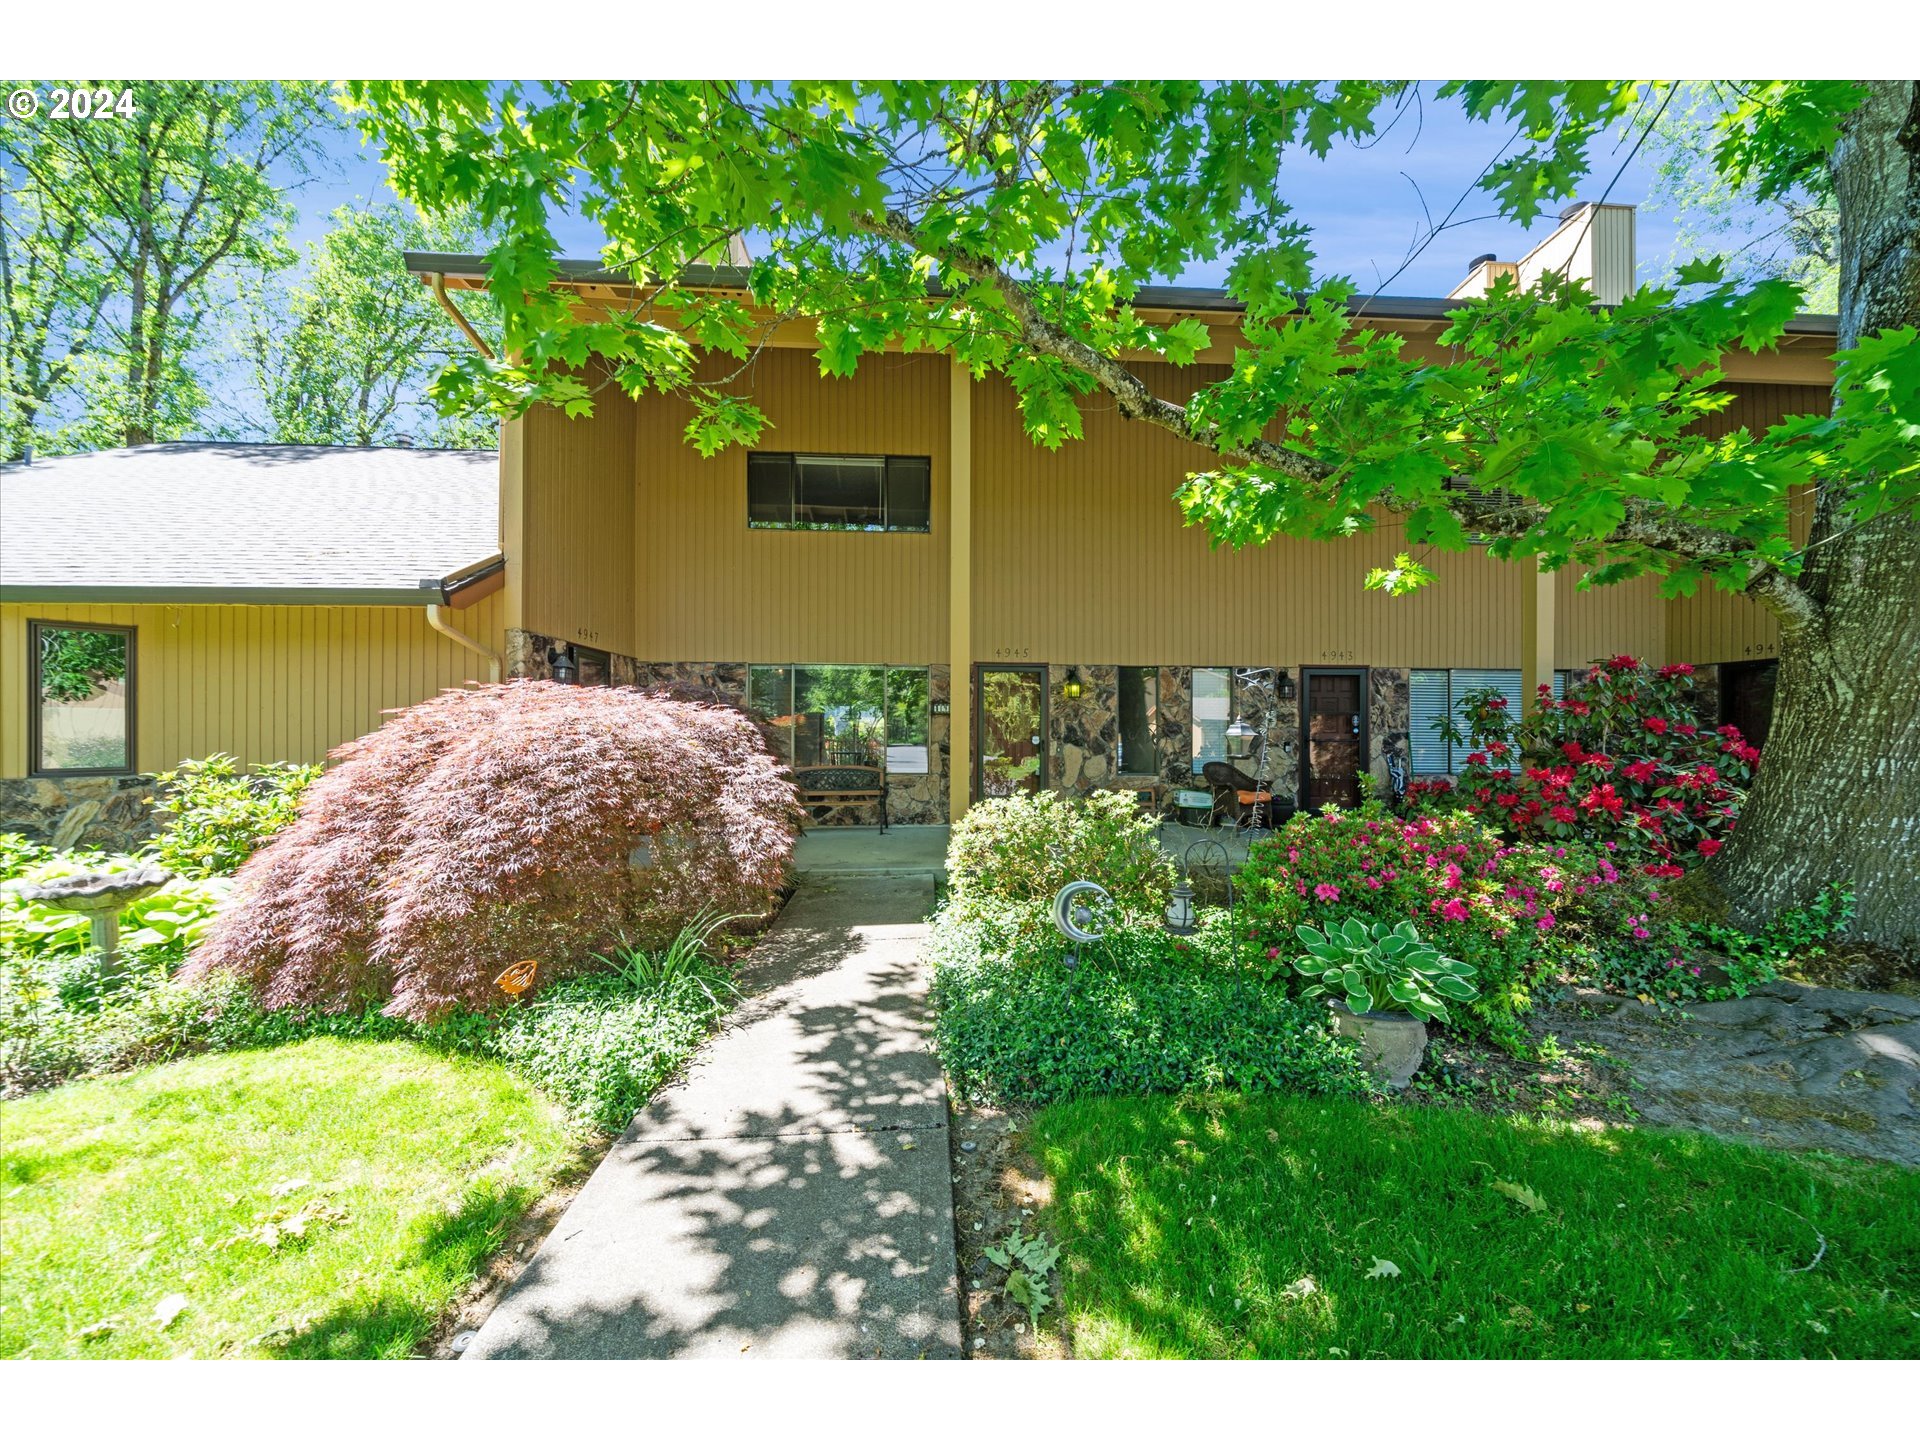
x: 790, y: 1198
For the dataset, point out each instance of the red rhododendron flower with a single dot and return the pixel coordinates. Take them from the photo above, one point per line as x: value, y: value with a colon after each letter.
x: 1709, y: 847
x: 1655, y: 724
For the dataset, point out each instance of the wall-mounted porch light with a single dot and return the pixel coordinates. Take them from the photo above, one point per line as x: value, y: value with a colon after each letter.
x: 560, y: 659
x: 1072, y: 689
x: 1286, y: 686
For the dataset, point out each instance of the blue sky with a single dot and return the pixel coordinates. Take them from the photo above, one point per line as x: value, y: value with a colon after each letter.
x: 1362, y: 202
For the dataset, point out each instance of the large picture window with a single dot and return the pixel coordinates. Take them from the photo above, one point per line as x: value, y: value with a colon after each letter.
x: 1139, y: 707
x: 80, y: 689
x: 1436, y: 694
x: 844, y: 714
x: 839, y: 492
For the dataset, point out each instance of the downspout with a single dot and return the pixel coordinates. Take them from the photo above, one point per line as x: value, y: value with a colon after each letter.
x: 437, y: 618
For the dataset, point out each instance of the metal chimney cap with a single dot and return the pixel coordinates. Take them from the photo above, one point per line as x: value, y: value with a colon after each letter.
x: 1574, y: 209
x: 1477, y: 261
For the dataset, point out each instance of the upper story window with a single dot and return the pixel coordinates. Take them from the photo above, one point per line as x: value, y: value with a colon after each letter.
x: 80, y: 689
x: 839, y: 492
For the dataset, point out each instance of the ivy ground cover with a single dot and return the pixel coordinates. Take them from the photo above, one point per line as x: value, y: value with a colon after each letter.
x: 1285, y: 1226
x: 323, y: 1199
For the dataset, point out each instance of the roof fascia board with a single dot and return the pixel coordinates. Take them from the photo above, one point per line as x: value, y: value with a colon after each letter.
x: 211, y: 595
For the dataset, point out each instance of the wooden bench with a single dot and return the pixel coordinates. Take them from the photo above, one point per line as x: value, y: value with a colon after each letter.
x: 834, y: 787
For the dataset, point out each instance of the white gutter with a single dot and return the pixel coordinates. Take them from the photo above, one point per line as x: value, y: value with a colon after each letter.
x: 437, y: 618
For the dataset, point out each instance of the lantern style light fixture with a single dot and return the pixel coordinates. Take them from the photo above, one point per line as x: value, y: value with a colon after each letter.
x: 1180, y: 913
x: 564, y: 669
x: 1286, y: 686
x: 1072, y: 689
x: 1240, y: 738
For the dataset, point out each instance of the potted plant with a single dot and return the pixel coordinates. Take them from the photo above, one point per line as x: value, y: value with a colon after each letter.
x: 1384, y: 983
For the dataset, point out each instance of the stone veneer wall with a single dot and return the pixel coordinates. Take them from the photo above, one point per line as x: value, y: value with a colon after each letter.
x: 1389, y: 720
x: 911, y: 799
x: 1083, y: 750
x: 110, y: 811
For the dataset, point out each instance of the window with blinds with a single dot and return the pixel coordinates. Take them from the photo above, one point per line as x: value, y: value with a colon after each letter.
x: 1436, y: 694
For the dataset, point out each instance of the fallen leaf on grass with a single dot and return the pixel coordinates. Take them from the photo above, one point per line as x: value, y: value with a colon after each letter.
x: 98, y: 1330
x: 1300, y: 1289
x: 1521, y: 1195
x: 1383, y: 1270
x: 287, y: 1187
x: 169, y: 1310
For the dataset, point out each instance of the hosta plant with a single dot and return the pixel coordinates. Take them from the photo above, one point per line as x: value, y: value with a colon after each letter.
x: 1381, y: 967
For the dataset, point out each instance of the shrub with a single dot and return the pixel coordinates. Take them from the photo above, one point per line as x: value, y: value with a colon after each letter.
x: 524, y: 821
x: 212, y: 817
x: 1142, y: 1013
x: 600, y: 1048
x: 1691, y: 962
x: 1014, y: 854
x: 1621, y: 762
x: 1515, y: 913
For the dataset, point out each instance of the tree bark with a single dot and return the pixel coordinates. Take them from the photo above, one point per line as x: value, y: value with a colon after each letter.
x: 1837, y: 799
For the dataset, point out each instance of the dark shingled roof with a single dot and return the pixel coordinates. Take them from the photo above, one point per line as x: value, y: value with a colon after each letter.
x: 195, y: 522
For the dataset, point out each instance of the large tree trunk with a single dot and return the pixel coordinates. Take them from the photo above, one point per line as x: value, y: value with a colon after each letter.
x: 1838, y: 795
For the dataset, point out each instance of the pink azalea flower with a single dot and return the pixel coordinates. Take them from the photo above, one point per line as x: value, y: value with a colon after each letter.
x: 1328, y: 893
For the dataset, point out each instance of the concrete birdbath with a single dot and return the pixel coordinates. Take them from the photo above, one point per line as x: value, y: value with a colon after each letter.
x: 100, y: 895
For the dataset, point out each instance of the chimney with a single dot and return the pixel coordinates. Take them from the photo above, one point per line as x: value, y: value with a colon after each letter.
x: 1482, y: 271
x: 403, y: 441
x: 1593, y: 243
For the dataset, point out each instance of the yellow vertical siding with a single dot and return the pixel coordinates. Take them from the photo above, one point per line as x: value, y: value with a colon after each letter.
x: 1080, y: 555
x: 575, y: 492
x: 1713, y: 625
x: 708, y: 588
x: 263, y: 682
x: 1629, y: 618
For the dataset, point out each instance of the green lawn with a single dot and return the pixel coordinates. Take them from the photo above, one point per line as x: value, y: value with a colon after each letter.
x: 1189, y: 1231
x: 329, y: 1198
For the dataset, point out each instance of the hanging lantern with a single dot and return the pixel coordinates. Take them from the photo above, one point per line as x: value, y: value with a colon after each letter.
x: 1240, y: 738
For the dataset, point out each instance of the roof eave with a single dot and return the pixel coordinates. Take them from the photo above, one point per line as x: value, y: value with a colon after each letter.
x: 216, y: 595
x: 1186, y: 299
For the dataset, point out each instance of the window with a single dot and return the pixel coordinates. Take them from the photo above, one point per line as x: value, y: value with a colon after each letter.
x: 844, y: 714
x: 1139, y: 706
x: 1212, y: 709
x: 839, y: 492
x: 1438, y: 693
x: 81, y: 698
x: 591, y: 667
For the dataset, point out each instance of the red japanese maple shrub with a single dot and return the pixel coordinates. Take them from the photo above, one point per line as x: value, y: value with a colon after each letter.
x: 1621, y: 761
x: 524, y: 821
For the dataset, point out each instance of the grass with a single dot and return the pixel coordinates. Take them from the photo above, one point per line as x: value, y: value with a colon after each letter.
x: 1246, y: 1226
x: 402, y: 1167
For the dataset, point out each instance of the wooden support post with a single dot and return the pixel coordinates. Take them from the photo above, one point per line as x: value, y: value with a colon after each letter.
x: 960, y: 590
x: 1536, y: 637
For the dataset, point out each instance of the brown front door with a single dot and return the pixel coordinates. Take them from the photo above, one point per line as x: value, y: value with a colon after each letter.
x: 1011, y: 723
x: 1335, y: 721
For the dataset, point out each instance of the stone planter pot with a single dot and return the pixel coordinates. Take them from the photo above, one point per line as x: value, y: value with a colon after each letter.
x: 1392, y: 1042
